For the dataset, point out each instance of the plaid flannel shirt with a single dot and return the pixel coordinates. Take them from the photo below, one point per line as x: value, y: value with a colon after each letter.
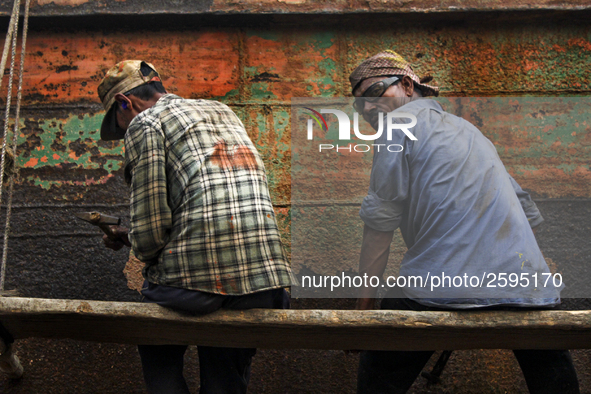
x: 201, y: 214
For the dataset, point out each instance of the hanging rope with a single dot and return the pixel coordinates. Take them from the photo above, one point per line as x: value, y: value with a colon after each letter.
x: 15, y: 134
x: 13, y: 21
x: 10, y: 39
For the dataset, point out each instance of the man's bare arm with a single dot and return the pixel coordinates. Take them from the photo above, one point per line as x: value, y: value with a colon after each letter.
x: 375, y: 249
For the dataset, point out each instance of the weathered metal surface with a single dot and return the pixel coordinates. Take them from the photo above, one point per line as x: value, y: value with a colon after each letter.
x: 257, y: 71
x: 67, y: 68
x: 271, y: 66
x: 138, y: 323
x: 84, y: 7
x: 474, y: 61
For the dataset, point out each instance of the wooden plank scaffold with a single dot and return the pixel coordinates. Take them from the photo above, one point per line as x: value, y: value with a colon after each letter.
x: 141, y: 323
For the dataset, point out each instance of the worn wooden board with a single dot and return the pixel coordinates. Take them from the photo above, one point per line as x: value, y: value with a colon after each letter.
x: 137, y: 323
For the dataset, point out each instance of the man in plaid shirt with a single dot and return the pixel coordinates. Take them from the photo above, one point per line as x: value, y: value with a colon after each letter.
x: 201, y: 218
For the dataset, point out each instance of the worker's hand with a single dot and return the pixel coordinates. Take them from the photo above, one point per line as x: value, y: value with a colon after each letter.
x: 118, y: 238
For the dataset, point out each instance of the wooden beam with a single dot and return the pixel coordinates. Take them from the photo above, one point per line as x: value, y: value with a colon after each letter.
x: 136, y: 323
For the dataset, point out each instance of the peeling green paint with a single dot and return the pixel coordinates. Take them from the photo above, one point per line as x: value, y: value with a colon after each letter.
x: 66, y: 141
x: 232, y: 95
x: 261, y: 91
x: 323, y: 40
x: 327, y: 85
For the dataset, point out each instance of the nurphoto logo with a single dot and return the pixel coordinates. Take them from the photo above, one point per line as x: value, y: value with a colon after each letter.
x: 345, y: 130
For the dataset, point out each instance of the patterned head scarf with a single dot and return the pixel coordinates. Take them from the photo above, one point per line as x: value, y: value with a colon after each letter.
x: 388, y: 63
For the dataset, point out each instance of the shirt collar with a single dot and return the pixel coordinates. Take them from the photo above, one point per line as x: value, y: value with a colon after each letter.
x: 167, y: 98
x: 423, y: 103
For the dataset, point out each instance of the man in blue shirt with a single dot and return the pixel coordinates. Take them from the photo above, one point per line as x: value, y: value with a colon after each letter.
x: 461, y: 216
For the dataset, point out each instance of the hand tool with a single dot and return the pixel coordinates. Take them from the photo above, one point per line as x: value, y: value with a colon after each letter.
x: 103, y: 221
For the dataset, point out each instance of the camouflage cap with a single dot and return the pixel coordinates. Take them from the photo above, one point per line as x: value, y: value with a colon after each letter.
x: 388, y: 63
x: 121, y: 78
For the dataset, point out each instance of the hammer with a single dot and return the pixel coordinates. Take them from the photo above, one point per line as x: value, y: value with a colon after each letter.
x: 101, y: 220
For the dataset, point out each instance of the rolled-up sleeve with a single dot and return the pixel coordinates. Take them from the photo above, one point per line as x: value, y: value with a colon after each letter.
x: 151, y: 217
x: 534, y: 217
x: 385, y: 202
x: 380, y: 214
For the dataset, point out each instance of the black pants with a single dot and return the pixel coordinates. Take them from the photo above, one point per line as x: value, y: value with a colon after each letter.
x: 393, y: 372
x: 222, y: 370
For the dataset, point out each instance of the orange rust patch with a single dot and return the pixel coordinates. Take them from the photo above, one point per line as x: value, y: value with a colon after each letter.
x: 32, y: 163
x: 296, y: 67
x: 84, y: 57
x: 234, y: 157
x: 580, y: 42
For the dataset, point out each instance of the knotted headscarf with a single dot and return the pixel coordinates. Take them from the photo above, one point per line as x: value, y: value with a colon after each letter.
x: 388, y: 63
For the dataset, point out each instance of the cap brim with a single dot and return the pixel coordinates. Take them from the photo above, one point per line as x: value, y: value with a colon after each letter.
x: 109, y: 129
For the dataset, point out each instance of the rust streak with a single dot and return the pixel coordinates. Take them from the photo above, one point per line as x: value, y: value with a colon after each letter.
x: 234, y: 157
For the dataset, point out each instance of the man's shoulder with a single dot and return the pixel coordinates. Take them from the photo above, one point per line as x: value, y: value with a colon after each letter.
x: 171, y: 100
x: 431, y: 115
x: 171, y: 107
x: 422, y: 104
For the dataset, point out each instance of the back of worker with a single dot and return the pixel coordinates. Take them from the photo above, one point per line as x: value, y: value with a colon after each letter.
x: 197, y: 174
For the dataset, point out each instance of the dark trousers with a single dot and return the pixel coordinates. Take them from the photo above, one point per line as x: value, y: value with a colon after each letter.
x: 393, y: 372
x: 222, y: 370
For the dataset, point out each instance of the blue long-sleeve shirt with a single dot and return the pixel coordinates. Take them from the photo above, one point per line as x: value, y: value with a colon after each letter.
x: 459, y: 212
